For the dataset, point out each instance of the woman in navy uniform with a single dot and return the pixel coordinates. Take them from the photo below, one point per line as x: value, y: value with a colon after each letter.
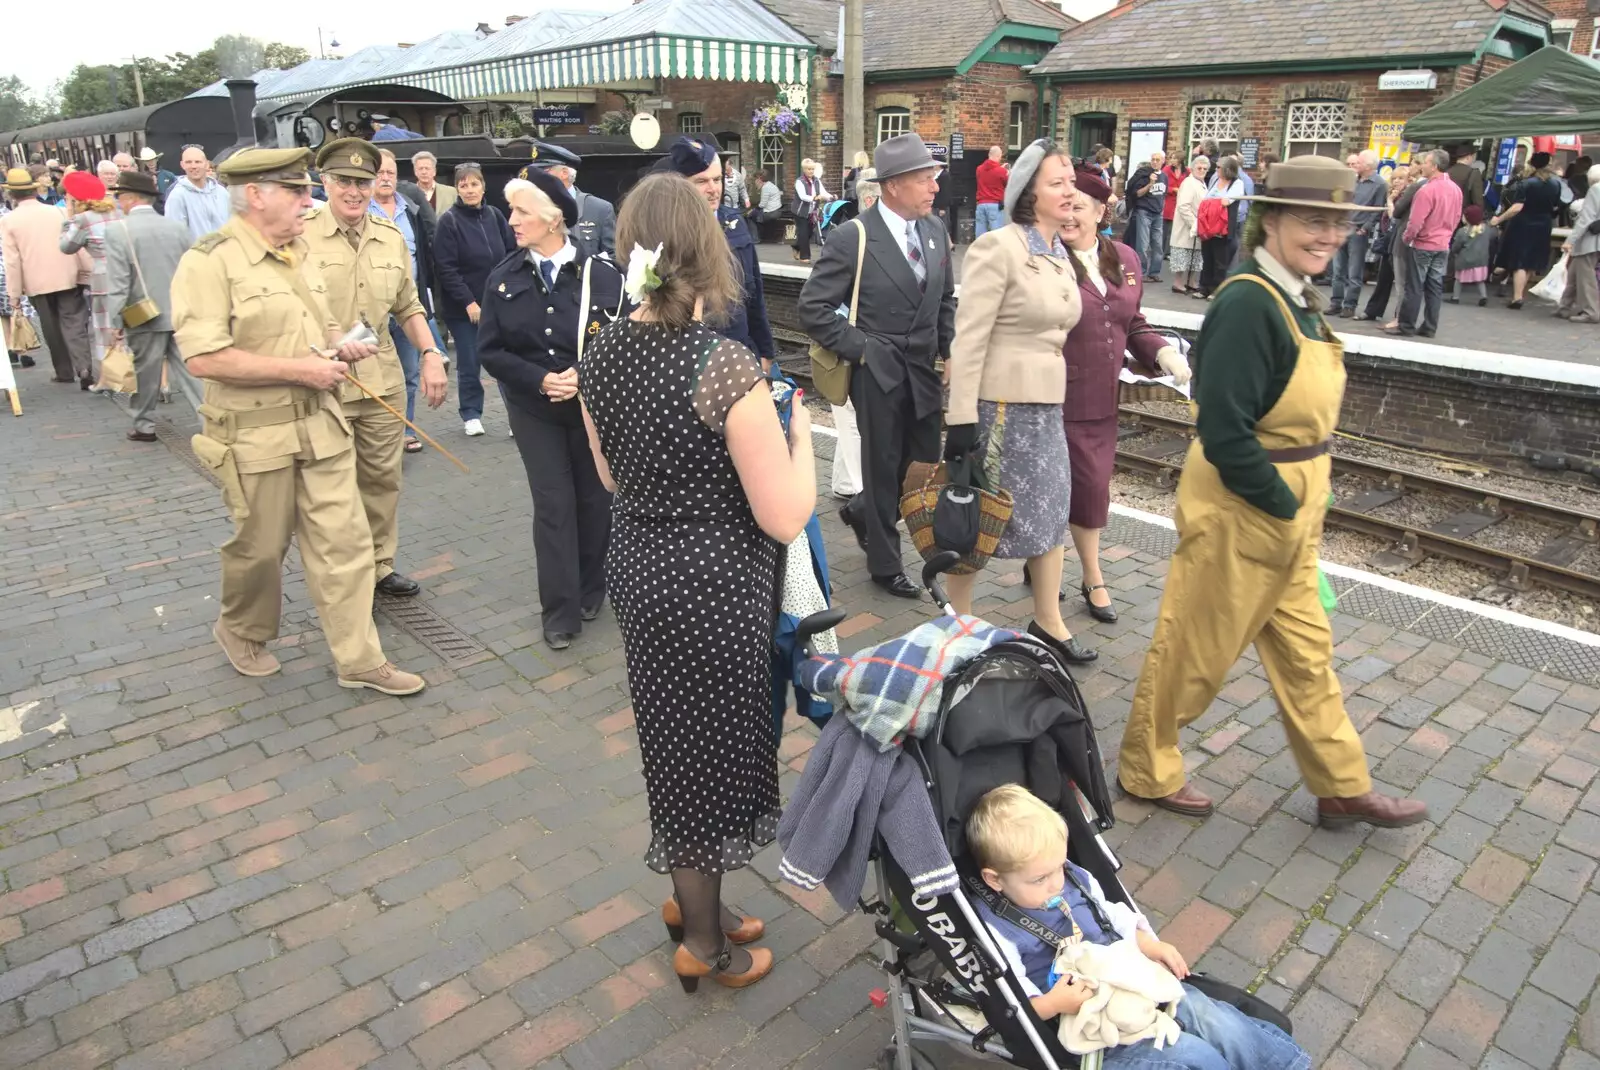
x: 541, y: 306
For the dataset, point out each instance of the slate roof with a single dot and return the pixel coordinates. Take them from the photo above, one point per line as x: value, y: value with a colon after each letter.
x: 726, y: 20
x: 904, y: 35
x: 817, y: 19
x: 1153, y: 34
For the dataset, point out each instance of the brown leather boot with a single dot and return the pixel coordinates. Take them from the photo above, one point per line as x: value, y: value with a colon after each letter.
x: 385, y: 678
x: 1383, y: 811
x: 1188, y: 800
x: 248, y: 657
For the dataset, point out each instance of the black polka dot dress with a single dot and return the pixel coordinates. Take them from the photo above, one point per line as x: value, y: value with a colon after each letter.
x: 692, y: 579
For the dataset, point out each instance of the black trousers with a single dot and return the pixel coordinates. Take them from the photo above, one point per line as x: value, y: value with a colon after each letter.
x: 802, y: 236
x: 64, y: 319
x: 571, y: 518
x: 892, y: 436
x: 1378, y: 303
x: 1216, y: 256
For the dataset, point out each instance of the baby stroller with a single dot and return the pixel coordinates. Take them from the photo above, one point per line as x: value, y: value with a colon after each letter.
x: 834, y: 213
x: 1010, y: 715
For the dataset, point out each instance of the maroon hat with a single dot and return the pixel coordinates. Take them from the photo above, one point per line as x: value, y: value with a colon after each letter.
x: 1473, y: 214
x: 1095, y: 186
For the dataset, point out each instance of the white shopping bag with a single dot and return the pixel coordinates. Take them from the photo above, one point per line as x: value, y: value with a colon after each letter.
x: 1553, y: 285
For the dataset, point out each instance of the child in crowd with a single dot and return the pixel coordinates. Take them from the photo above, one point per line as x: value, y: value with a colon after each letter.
x: 1473, y: 250
x: 1020, y: 846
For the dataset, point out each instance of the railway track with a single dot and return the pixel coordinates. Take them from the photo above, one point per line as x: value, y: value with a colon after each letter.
x: 1575, y: 531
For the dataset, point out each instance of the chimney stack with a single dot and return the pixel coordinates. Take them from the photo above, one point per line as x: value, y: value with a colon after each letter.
x: 512, y: 20
x: 242, y: 95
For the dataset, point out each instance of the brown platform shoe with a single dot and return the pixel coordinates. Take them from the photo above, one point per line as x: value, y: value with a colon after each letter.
x: 749, y: 930
x: 690, y: 969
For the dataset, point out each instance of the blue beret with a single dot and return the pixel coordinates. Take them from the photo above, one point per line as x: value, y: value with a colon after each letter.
x: 689, y: 156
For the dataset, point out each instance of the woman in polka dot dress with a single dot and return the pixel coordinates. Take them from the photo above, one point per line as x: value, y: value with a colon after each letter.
x: 684, y: 430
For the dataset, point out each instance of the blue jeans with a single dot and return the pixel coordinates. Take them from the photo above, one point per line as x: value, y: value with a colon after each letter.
x: 1349, y: 272
x: 411, y: 364
x: 469, y: 382
x: 1216, y: 1036
x: 1147, y: 234
x: 990, y: 217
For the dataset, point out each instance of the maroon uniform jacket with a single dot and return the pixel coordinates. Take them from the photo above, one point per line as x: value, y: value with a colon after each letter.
x: 1110, y: 327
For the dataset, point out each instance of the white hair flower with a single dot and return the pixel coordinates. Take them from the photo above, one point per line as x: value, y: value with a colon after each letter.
x: 642, y: 277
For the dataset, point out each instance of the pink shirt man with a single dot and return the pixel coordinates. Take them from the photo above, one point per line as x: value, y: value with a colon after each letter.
x: 1435, y: 214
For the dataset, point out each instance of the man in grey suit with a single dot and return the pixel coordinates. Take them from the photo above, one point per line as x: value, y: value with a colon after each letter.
x: 142, y: 254
x: 905, y: 323
x: 596, y: 229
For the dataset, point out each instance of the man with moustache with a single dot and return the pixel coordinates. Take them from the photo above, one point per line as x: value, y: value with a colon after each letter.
x: 363, y: 260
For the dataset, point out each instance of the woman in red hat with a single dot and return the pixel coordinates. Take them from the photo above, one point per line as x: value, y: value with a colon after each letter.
x: 90, y: 212
x: 1110, y: 282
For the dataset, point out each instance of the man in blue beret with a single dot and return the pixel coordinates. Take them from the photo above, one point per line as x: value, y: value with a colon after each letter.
x: 596, y: 229
x: 697, y: 160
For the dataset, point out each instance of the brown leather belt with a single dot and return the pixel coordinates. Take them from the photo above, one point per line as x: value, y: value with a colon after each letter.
x: 1300, y: 453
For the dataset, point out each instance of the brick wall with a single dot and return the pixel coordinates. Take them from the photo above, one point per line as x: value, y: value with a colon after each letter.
x: 1264, y: 99
x: 1577, y: 10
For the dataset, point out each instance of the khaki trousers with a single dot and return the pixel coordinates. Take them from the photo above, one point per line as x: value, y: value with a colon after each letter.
x: 1582, y: 295
x: 379, y: 448
x: 1239, y: 577
x: 315, y: 501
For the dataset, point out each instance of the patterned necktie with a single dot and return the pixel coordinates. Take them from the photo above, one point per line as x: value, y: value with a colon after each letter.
x: 914, y: 254
x: 548, y: 270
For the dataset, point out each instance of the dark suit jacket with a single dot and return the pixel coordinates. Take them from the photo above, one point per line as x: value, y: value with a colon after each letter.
x: 596, y: 229
x: 899, y: 331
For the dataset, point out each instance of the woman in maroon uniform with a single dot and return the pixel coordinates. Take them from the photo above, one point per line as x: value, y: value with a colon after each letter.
x: 1109, y: 278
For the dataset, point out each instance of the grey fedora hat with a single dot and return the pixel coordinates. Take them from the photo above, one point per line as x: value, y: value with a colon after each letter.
x: 902, y: 155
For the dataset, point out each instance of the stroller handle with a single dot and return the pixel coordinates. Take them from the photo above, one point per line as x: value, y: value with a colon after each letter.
x: 933, y: 568
x: 816, y: 624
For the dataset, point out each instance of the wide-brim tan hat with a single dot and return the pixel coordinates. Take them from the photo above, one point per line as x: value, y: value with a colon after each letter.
x: 1312, y: 182
x: 19, y: 180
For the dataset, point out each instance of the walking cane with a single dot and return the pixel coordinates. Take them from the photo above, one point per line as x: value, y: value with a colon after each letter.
x: 420, y: 432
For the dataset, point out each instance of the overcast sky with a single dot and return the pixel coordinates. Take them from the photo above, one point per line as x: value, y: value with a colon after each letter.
x: 42, y: 42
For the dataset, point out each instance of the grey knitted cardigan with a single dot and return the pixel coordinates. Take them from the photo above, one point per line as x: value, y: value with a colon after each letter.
x: 850, y: 789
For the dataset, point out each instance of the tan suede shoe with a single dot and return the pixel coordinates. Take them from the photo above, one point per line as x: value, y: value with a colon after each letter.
x: 385, y: 678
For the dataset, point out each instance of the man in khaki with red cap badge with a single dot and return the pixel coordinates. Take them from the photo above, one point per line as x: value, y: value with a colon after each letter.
x: 364, y: 262
x: 252, y: 320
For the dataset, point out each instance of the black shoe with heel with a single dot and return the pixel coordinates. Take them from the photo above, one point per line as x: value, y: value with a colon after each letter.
x: 1103, y: 614
x: 1070, y: 649
x: 1027, y: 578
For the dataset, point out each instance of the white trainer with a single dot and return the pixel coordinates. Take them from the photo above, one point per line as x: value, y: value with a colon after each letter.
x: 473, y: 427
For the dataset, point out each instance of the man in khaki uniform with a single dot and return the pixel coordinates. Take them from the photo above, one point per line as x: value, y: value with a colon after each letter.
x: 364, y: 263
x: 253, y: 322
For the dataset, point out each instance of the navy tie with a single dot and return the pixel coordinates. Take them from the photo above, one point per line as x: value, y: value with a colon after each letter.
x: 547, y: 268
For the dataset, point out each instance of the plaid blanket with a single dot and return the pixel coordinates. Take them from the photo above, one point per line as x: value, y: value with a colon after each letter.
x: 892, y: 690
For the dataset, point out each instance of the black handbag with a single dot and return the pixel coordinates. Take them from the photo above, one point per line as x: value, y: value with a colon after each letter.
x: 958, y: 514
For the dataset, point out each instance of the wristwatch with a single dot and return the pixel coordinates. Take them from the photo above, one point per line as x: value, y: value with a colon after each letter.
x: 434, y: 349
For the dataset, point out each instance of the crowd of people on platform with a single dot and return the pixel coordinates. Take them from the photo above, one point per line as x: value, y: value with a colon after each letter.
x: 669, y: 462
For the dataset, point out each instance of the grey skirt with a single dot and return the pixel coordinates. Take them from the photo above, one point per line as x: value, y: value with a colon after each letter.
x: 1034, y: 466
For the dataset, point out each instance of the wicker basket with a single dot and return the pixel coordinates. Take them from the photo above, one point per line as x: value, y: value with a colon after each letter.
x: 922, y: 487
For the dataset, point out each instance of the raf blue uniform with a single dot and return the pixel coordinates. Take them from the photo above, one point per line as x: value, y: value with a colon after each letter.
x: 529, y: 328
x: 747, y: 322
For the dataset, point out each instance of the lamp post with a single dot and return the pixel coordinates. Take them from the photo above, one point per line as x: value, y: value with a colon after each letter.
x: 333, y: 42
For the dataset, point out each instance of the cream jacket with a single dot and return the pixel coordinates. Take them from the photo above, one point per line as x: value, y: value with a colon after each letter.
x: 1015, y: 313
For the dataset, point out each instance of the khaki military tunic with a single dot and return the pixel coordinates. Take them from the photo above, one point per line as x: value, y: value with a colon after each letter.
x: 370, y: 281
x: 283, y: 452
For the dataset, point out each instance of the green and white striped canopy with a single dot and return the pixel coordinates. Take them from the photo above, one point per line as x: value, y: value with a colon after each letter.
x: 607, y: 62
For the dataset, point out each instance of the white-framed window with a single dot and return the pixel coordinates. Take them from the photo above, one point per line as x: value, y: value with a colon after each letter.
x: 1017, y: 126
x: 691, y: 122
x: 1561, y: 39
x: 892, y: 122
x: 772, y: 158
x: 1215, y: 120
x: 1594, y: 43
x: 1315, y: 128
x: 733, y: 151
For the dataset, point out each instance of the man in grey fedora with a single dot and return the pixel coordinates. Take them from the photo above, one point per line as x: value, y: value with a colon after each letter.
x: 142, y: 253
x: 905, y: 323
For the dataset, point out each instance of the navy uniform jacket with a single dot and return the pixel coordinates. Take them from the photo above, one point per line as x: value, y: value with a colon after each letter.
x: 596, y: 229
x: 747, y: 322
x: 526, y: 331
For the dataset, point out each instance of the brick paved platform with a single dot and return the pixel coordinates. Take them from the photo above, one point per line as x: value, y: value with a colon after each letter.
x: 204, y: 870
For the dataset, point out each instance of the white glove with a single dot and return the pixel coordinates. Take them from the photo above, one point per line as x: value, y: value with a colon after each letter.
x: 1172, y: 362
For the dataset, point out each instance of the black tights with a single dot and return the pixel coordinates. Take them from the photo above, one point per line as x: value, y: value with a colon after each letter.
x: 699, y: 897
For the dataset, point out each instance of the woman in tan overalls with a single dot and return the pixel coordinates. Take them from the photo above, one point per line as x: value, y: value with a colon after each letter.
x: 1269, y: 380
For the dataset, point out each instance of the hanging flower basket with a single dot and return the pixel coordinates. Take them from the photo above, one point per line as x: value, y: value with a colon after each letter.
x: 775, y: 120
